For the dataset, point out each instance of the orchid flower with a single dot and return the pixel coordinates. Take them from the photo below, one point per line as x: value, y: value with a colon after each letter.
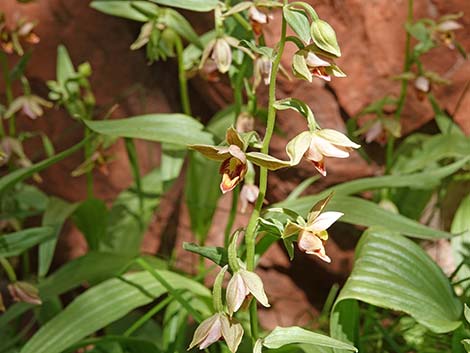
x: 318, y: 144
x: 215, y: 327
x: 313, y: 233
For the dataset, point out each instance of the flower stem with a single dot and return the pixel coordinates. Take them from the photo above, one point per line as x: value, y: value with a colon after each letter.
x: 404, y: 87
x: 184, y: 96
x: 8, y: 269
x: 231, y: 216
x: 8, y: 94
x: 263, y: 179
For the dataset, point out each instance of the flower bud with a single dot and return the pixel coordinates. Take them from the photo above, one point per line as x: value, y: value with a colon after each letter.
x: 24, y: 292
x: 242, y: 284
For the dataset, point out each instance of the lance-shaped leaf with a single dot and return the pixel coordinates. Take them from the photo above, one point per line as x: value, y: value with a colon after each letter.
x: 132, y: 10
x: 298, y: 21
x: 282, y: 336
x: 324, y: 37
x: 192, y: 5
x: 174, y: 20
x: 178, y: 129
x: 267, y: 161
x: 14, y: 244
x: 393, y: 272
x: 298, y: 106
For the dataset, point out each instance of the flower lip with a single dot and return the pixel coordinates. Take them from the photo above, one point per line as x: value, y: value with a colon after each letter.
x: 232, y: 170
x: 312, y: 245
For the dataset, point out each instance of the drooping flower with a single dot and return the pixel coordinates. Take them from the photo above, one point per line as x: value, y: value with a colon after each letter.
x: 219, y: 52
x: 423, y: 86
x: 242, y: 284
x: 234, y: 164
x: 234, y: 160
x: 215, y: 327
x: 318, y: 144
x: 258, y: 19
x: 444, y: 31
x: 313, y: 233
x: 312, y: 61
x: 24, y: 292
x: 245, y: 122
x: 262, y: 70
x: 31, y: 105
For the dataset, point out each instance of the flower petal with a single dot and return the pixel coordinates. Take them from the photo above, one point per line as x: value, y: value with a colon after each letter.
x: 324, y: 221
x: 336, y: 138
x: 236, y: 293
x: 328, y: 149
x: 315, y: 61
x: 255, y: 285
x: 232, y: 332
x: 211, y: 326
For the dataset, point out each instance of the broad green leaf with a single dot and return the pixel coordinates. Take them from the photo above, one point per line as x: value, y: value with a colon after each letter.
x: 366, y: 213
x: 102, y: 305
x: 179, y: 129
x: 217, y: 255
x: 127, y: 221
x: 21, y: 174
x: 393, y: 272
x: 431, y: 150
x: 13, y: 244
x: 193, y: 5
x: 56, y: 213
x: 443, y: 120
x: 460, y: 243
x: 126, y: 9
x: 344, y: 322
x: 128, y: 344
x: 202, y: 193
x: 298, y: 21
x: 90, y: 268
x: 282, y: 336
x: 91, y: 218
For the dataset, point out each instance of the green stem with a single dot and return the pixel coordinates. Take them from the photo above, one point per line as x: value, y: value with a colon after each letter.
x: 263, y: 179
x: 232, y: 215
x: 174, y: 293
x: 148, y: 315
x: 134, y: 161
x: 8, y: 93
x: 404, y: 87
x: 8, y: 269
x: 88, y: 153
x: 184, y: 96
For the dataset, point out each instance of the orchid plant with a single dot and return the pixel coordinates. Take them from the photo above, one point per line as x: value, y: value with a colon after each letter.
x: 124, y: 301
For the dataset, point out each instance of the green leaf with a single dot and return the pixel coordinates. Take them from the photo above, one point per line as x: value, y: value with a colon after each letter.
x: 21, y: 174
x: 324, y: 37
x: 193, y: 5
x: 432, y: 150
x: 393, y: 272
x: 299, y: 106
x: 281, y: 336
x: 128, y: 221
x: 461, y: 224
x: 126, y: 9
x: 91, y: 218
x: 102, y: 305
x: 13, y: 244
x: 344, y: 322
x: 91, y: 268
x: 217, y: 255
x: 178, y: 129
x: 365, y: 213
x: 202, y: 193
x: 298, y: 21
x: 56, y: 213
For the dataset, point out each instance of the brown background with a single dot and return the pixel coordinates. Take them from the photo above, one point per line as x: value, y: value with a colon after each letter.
x: 371, y: 36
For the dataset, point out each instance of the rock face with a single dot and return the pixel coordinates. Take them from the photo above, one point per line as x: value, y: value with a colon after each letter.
x: 372, y: 39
